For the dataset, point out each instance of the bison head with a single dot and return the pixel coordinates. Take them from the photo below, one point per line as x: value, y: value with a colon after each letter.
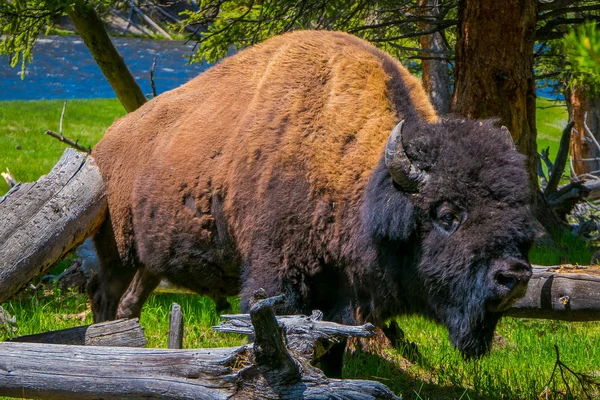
x: 462, y: 193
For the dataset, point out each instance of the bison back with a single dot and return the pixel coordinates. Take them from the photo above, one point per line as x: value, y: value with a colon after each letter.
x: 262, y: 159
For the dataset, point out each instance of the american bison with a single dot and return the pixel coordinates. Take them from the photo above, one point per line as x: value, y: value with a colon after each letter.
x: 313, y: 165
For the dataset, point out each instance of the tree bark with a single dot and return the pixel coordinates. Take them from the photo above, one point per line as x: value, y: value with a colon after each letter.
x: 94, y: 35
x: 265, y: 370
x: 562, y: 293
x: 436, y: 77
x: 118, y: 333
x: 175, y: 327
x: 585, y: 110
x: 494, y: 69
x: 45, y: 220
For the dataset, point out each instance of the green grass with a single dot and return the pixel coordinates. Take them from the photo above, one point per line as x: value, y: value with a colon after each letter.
x: 429, y: 368
x: 551, y: 119
x: 28, y: 152
x: 54, y: 309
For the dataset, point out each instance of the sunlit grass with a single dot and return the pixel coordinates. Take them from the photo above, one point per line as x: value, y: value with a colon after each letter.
x: 551, y: 119
x: 24, y: 148
x: 518, y: 368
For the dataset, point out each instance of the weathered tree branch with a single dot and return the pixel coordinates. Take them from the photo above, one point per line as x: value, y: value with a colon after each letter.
x: 309, y: 336
x: 564, y: 293
x: 119, y: 333
x: 45, y: 220
x: 246, y: 372
x: 560, y: 161
x: 68, y: 141
x: 175, y: 327
x: 566, y: 10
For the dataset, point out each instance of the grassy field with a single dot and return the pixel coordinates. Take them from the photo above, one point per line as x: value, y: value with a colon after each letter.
x: 28, y: 152
x: 425, y: 367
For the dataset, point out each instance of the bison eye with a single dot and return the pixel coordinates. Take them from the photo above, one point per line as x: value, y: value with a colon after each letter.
x: 448, y: 219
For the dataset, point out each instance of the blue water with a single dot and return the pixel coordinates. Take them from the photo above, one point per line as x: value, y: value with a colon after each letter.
x: 63, y: 68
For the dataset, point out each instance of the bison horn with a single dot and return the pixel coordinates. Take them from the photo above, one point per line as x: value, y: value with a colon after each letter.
x: 403, y: 172
x: 508, y: 137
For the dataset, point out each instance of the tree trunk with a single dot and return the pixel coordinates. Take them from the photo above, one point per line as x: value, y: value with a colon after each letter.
x: 436, y: 78
x: 494, y: 69
x: 584, y: 150
x: 95, y: 37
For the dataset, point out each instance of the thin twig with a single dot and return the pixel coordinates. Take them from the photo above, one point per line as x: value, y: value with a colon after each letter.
x: 586, y: 381
x: 62, y: 115
x: 589, y: 131
x: 9, y: 178
x: 68, y: 141
x: 152, y: 78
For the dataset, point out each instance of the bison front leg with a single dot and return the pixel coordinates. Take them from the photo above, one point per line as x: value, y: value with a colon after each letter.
x: 140, y: 288
x: 106, y: 287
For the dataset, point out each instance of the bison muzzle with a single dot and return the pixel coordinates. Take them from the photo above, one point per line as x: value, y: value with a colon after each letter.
x: 313, y: 165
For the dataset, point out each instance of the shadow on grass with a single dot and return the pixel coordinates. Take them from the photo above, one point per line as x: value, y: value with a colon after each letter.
x: 395, y: 372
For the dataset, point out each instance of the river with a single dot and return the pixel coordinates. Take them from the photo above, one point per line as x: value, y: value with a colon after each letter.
x: 63, y: 68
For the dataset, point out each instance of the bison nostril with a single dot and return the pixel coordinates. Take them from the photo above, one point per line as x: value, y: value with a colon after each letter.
x: 508, y: 281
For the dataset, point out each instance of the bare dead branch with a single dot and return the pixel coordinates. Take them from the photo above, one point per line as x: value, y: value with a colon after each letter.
x: 545, y: 157
x: 420, y: 50
x: 152, y: 78
x: 269, y: 348
x: 62, y: 115
x: 589, y: 132
x: 175, y: 327
x: 565, y: 10
x: 422, y: 19
x: 68, y: 141
x: 588, y: 383
x: 561, y: 159
x: 540, y: 172
x: 429, y: 58
x: 10, y: 180
x: 152, y: 23
x: 439, y: 28
x: 546, y: 5
x: 556, y: 28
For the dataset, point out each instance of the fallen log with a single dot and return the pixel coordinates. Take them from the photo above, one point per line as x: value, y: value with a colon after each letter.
x: 265, y: 370
x: 301, y: 330
x: 43, y: 221
x: 568, y: 293
x: 118, y: 333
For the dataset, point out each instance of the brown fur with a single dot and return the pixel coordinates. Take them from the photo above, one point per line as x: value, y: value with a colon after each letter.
x: 308, y: 111
x: 267, y: 171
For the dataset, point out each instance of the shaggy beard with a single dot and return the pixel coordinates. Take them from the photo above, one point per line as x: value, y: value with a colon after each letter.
x: 472, y: 335
x: 462, y: 309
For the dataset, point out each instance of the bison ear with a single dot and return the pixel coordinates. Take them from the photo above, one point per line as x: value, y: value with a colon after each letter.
x: 406, y: 175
